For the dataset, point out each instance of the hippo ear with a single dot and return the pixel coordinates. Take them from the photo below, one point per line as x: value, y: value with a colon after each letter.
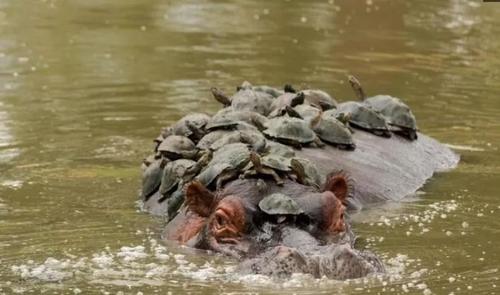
x: 199, y: 199
x: 339, y: 183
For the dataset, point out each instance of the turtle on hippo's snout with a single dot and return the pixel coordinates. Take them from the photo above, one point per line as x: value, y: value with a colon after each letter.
x: 238, y: 221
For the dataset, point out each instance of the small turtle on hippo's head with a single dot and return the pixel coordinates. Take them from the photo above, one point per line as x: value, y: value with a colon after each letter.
x: 280, y: 206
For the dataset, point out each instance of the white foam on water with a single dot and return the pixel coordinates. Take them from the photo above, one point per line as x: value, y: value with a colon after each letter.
x: 152, y: 264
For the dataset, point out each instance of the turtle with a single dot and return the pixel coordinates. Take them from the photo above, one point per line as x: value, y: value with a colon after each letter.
x: 291, y: 131
x: 226, y: 164
x: 165, y: 132
x: 252, y: 138
x: 280, y: 206
x: 175, y: 202
x: 276, y: 148
x: 228, y: 119
x: 307, y: 112
x: 151, y: 178
x: 179, y: 172
x: 206, y: 141
x: 363, y: 117
x: 334, y: 132
x: 176, y: 146
x: 191, y: 126
x: 319, y: 99
x: 245, y: 100
x: 270, y: 165
x: 397, y: 114
x: 148, y: 160
x: 288, y: 99
x: 306, y: 172
x: 251, y: 135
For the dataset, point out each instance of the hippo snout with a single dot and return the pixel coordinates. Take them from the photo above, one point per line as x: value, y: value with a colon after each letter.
x: 338, y: 261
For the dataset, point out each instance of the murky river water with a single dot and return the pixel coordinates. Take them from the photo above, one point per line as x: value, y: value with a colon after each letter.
x: 86, y: 85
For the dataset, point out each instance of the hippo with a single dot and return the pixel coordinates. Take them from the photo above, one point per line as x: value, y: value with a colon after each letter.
x: 320, y: 242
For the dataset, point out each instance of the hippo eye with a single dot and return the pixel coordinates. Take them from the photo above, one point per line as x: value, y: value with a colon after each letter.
x: 220, y: 220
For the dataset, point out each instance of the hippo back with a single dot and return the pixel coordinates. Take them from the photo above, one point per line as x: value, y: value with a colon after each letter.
x: 384, y: 168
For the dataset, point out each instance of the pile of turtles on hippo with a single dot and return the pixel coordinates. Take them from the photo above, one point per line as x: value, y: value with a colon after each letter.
x: 236, y: 182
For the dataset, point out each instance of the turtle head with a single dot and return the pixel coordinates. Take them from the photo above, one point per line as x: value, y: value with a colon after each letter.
x: 356, y: 87
x: 344, y: 117
x: 244, y: 85
x: 220, y: 96
x: 288, y: 88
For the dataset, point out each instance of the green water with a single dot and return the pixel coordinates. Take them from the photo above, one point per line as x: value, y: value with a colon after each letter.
x: 86, y: 85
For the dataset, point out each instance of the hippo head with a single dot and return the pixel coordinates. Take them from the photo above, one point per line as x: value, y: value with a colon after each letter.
x: 317, y: 241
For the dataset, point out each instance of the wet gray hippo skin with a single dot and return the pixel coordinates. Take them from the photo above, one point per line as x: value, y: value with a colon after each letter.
x: 385, y: 169
x: 230, y: 222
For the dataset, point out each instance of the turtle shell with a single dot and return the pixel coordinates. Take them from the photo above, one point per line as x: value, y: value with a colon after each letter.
x: 276, y: 148
x: 250, y: 100
x: 230, y: 157
x: 151, y: 178
x: 319, y: 98
x: 173, y: 173
x: 363, y: 116
x: 395, y: 111
x: 207, y: 176
x: 229, y: 118
x: 307, y: 112
x: 253, y: 138
x: 332, y: 131
x: 280, y: 204
x: 289, y: 129
x: 185, y: 124
x: 276, y: 162
x: 311, y: 172
x: 177, y: 146
x: 274, y: 92
x: 209, y: 138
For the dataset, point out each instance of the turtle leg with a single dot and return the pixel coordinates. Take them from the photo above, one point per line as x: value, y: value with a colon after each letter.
x: 383, y: 133
x: 298, y: 99
x: 272, y: 173
x: 299, y: 171
x: 292, y: 112
x: 225, y: 177
x: 318, y: 142
x: 249, y: 173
